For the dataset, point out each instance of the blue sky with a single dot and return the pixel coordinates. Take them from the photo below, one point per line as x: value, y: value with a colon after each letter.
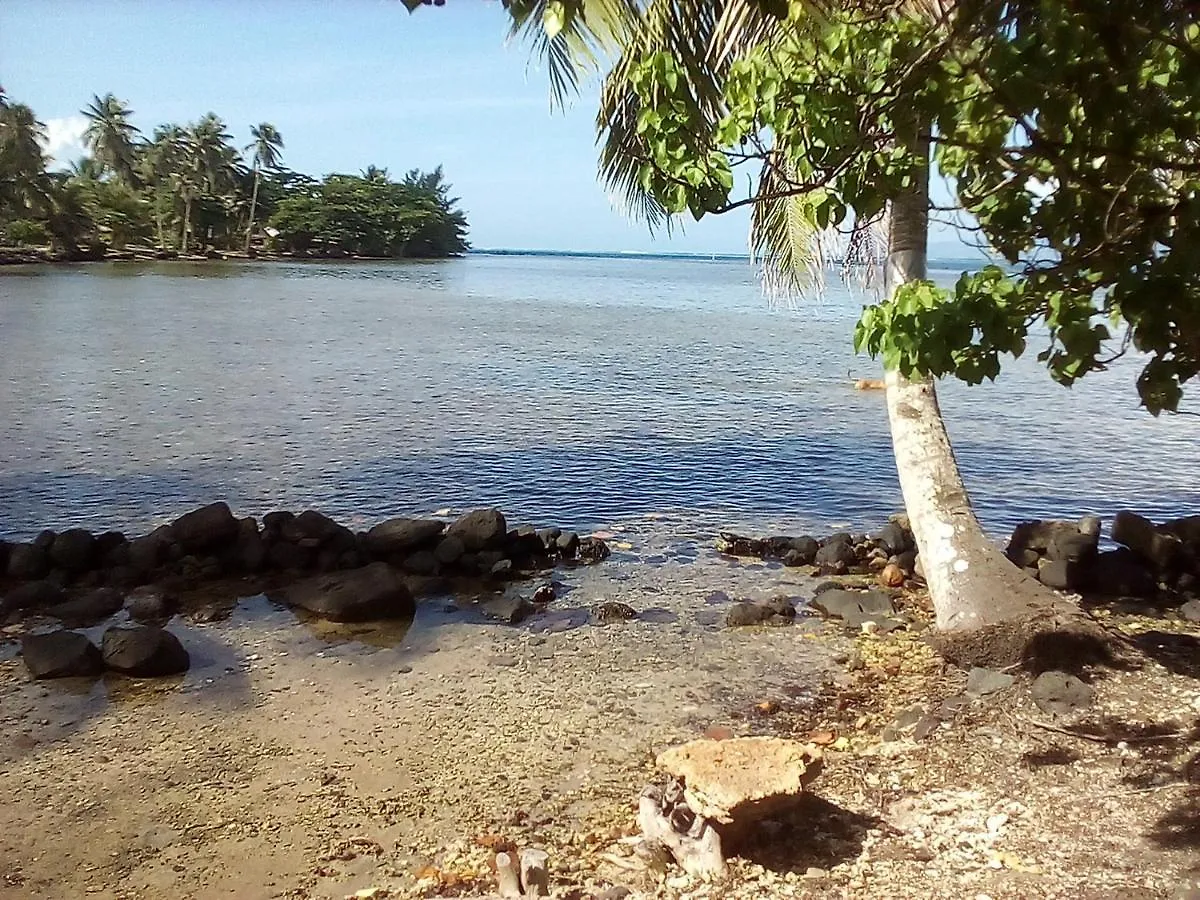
x: 349, y: 83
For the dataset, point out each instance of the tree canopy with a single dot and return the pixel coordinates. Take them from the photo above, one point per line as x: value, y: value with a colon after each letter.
x: 373, y: 216
x: 1067, y: 130
x: 187, y: 188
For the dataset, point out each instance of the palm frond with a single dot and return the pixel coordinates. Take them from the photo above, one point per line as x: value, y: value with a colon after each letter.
x: 574, y: 38
x: 864, y: 256
x: 706, y: 38
x: 791, y: 252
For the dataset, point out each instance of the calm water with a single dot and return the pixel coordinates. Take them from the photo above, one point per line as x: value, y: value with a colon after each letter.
x: 566, y: 390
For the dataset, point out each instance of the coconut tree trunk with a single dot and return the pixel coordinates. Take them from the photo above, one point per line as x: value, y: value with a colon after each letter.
x: 253, y: 205
x: 988, y: 610
x: 187, y: 223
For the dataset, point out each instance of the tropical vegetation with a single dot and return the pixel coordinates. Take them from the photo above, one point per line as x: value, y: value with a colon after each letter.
x: 1068, y: 132
x: 187, y: 189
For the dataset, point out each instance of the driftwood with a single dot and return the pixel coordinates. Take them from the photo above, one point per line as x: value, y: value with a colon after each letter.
x: 665, y: 818
x: 528, y: 878
x: 507, y: 879
x: 534, y: 876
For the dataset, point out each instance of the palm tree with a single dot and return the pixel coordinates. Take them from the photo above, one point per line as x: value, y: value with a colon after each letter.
x: 22, y: 160
x: 375, y: 174
x: 66, y: 214
x: 209, y: 168
x: 111, y: 137
x: 212, y: 156
x: 266, y: 146
x: 163, y: 157
x: 88, y: 169
x: 971, y: 583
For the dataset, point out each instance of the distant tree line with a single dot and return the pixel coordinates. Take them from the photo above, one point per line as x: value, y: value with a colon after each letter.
x: 188, y: 189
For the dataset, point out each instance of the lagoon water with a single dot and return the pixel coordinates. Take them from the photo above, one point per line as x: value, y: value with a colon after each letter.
x: 567, y: 390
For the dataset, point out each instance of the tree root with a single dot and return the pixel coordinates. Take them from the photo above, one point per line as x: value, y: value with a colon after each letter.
x: 1062, y: 637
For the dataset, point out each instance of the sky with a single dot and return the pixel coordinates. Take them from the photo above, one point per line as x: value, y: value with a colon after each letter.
x: 350, y: 83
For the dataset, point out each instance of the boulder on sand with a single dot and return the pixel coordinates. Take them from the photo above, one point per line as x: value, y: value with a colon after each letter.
x: 60, y: 654
x: 143, y: 651
x: 357, y: 595
x: 741, y: 779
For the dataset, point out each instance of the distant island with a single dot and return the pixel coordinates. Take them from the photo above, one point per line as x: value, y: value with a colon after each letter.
x: 189, y: 192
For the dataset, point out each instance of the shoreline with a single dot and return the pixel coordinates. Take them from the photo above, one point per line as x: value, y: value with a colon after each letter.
x: 10, y: 256
x: 304, y: 761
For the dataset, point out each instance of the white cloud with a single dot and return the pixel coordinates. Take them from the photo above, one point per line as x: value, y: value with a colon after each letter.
x: 64, y: 140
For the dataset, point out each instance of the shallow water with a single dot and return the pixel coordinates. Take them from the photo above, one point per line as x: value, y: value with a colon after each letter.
x: 568, y: 391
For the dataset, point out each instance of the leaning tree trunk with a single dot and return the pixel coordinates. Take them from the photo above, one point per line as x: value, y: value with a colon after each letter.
x: 988, y: 610
x: 253, y: 205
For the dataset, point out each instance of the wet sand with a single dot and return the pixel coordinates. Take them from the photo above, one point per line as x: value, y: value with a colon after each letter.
x: 309, y: 760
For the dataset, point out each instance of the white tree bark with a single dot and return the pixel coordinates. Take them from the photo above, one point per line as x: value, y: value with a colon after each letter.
x: 253, y: 207
x: 971, y: 583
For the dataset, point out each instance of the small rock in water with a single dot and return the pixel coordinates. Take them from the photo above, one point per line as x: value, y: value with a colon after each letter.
x: 613, y: 611
x: 1190, y: 611
x: 567, y: 544
x: 357, y: 595
x: 545, y: 593
x: 1061, y: 694
x: 509, y: 610
x: 592, y: 550
x: 981, y: 682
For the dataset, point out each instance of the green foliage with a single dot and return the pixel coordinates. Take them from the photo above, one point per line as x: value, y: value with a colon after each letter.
x: 187, y: 187
x: 111, y: 137
x: 372, y: 216
x: 683, y: 170
x: 1070, y: 132
x: 120, y: 214
x: 26, y: 232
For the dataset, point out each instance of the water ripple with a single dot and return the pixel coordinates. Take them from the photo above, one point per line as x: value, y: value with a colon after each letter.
x: 568, y: 391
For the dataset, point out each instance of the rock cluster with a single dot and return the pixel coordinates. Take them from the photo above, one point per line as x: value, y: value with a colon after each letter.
x: 51, y: 573
x: 139, y: 651
x: 1066, y: 555
x: 890, y: 553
